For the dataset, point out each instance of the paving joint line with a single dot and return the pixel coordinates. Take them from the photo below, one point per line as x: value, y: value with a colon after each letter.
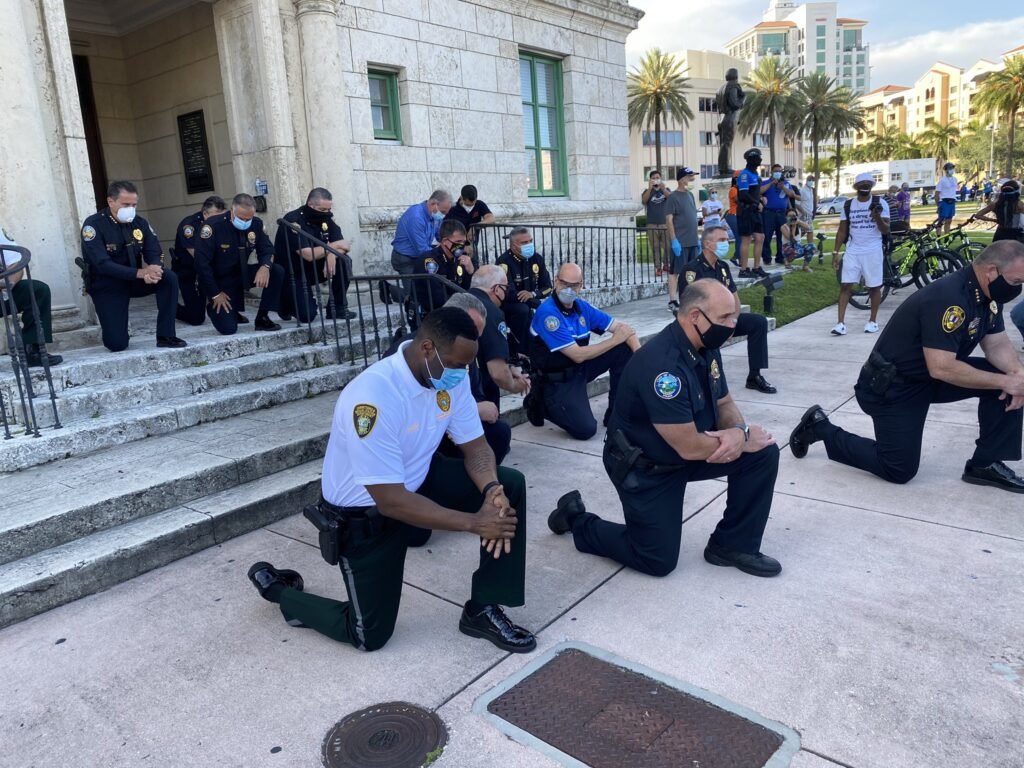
x: 826, y: 757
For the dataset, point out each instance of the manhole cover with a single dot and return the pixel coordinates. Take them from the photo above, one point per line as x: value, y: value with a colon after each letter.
x: 392, y: 735
x: 608, y: 716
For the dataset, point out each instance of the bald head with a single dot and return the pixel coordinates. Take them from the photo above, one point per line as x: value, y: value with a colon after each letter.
x: 702, y: 303
x: 570, y: 273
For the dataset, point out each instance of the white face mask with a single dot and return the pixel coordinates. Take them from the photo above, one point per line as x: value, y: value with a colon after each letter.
x: 126, y: 215
x: 810, y: 184
x: 469, y: 208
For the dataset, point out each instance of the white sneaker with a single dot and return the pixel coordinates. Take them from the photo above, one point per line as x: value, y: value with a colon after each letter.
x: 839, y: 330
x: 870, y: 327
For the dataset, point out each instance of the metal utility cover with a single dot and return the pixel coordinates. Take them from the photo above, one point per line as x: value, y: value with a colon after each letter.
x: 584, y: 707
x: 392, y: 735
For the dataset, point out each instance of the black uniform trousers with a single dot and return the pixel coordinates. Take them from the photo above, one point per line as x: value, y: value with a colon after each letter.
x: 565, y: 395
x: 373, y: 569
x: 227, y: 322
x: 21, y: 294
x: 498, y: 436
x: 653, y: 508
x: 111, y: 299
x: 193, y: 310
x: 518, y: 317
x: 772, y: 221
x: 899, y: 415
x: 307, y: 298
x: 755, y: 328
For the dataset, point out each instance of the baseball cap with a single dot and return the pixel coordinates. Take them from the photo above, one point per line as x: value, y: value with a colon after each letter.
x: 861, y: 177
x: 685, y: 171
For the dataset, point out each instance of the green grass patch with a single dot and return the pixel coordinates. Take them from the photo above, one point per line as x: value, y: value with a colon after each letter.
x: 801, y: 294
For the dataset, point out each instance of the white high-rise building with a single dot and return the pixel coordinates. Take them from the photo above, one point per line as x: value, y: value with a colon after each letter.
x: 811, y: 37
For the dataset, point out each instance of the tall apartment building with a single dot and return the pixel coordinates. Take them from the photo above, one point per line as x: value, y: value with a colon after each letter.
x: 812, y: 37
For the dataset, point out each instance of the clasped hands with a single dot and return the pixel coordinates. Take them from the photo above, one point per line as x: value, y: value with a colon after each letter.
x: 732, y: 443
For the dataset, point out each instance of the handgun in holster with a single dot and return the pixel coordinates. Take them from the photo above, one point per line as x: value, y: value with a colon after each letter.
x: 624, y: 456
x: 329, y: 528
x: 880, y: 374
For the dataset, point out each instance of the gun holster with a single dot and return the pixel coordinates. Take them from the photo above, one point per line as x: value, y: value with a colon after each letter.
x: 624, y: 456
x: 330, y: 528
x: 879, y: 374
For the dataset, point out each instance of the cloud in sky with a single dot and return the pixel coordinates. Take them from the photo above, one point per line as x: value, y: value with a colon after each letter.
x: 673, y: 25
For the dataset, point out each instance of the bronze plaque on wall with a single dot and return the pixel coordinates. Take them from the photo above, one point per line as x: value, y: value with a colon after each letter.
x: 195, y: 152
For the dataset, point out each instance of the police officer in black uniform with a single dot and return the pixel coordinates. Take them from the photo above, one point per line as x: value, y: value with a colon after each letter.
x: 311, y: 265
x: 221, y: 255
x: 529, y: 284
x: 490, y: 284
x: 450, y: 260
x: 712, y: 264
x: 122, y: 257
x: 193, y: 311
x: 924, y: 356
x: 675, y: 422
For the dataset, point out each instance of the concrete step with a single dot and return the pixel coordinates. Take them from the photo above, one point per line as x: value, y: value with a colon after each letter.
x: 161, y: 418
x: 91, y: 564
x: 100, y: 490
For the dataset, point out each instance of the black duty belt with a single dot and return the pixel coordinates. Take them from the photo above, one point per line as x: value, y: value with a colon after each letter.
x: 559, y: 377
x: 349, y: 513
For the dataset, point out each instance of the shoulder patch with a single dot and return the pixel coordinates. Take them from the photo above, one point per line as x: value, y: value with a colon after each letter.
x: 953, y: 318
x: 364, y: 417
x: 504, y: 266
x: 430, y: 266
x: 667, y: 385
x: 88, y: 233
x: 691, y: 276
x: 583, y: 321
x: 137, y: 234
x: 206, y: 232
x: 188, y: 230
x: 503, y: 329
x: 444, y: 400
x: 551, y: 323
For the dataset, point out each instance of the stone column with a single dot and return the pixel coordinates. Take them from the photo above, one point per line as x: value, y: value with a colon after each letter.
x: 329, y: 131
x: 44, y: 187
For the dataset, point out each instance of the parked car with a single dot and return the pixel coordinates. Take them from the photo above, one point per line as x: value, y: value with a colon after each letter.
x: 832, y: 204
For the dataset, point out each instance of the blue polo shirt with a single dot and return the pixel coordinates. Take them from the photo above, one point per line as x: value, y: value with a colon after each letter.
x: 774, y: 198
x: 558, y: 329
x: 416, y: 231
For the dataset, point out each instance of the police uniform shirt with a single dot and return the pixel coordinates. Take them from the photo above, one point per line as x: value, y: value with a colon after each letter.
x: 493, y: 344
x: 222, y: 249
x: 525, y: 275
x: 668, y: 381
x: 469, y: 218
x: 186, y: 236
x: 559, y: 328
x: 287, y: 243
x: 386, y: 428
x: 433, y: 293
x: 115, y: 251
x: 951, y: 314
x: 748, y: 181
x: 700, y: 269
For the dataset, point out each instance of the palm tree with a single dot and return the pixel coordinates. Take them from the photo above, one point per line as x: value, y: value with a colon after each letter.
x: 1002, y: 94
x: 656, y: 89
x: 770, y: 101
x: 817, y: 105
x: 938, y: 141
x: 849, y: 118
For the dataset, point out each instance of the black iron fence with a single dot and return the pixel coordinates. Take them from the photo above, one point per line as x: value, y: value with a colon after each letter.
x: 610, y: 257
x: 13, y: 275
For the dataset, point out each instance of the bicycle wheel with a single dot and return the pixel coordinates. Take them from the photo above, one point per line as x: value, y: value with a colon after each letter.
x: 933, y: 265
x: 968, y: 252
x: 860, y: 296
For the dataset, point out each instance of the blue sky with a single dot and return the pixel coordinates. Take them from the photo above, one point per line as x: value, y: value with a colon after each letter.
x: 905, y: 37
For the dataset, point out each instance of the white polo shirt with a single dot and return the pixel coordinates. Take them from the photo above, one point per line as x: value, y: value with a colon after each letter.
x: 946, y: 187
x: 386, y: 428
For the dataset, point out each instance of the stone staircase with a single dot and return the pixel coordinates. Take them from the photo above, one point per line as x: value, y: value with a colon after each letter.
x: 166, y: 452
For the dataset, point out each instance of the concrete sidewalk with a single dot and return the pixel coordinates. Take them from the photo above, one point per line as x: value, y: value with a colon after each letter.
x: 892, y: 639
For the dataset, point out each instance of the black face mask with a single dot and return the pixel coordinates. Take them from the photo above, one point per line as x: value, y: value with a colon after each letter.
x: 715, y: 336
x: 1002, y: 292
x: 315, y: 216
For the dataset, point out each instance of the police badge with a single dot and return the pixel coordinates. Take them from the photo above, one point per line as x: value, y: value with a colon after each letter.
x: 137, y: 234
x: 252, y: 238
x: 444, y: 400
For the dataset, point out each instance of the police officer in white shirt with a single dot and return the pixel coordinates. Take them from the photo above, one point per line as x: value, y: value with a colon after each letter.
x: 384, y: 485
x: 945, y: 197
x: 17, y: 295
x: 862, y: 223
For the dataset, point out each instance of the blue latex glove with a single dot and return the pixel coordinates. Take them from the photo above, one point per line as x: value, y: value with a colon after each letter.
x: 677, y: 249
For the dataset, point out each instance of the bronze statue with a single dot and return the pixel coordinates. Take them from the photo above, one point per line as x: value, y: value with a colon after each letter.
x: 730, y: 101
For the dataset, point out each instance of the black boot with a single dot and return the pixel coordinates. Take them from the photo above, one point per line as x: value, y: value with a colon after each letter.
x: 35, y: 357
x: 264, y: 323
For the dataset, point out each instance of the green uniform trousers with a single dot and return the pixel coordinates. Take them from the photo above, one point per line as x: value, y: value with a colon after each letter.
x: 23, y: 303
x: 373, y: 568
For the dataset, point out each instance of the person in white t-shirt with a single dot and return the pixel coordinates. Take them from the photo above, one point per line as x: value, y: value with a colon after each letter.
x: 945, y: 196
x: 385, y: 487
x: 862, y: 223
x: 19, y: 295
x: 711, y: 209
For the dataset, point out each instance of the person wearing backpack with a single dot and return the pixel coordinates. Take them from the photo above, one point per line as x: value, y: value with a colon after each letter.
x: 862, y: 225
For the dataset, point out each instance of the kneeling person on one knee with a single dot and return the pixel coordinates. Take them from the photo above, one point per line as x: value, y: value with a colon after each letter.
x: 712, y: 265
x: 17, y: 294
x: 675, y: 422
x: 222, y: 262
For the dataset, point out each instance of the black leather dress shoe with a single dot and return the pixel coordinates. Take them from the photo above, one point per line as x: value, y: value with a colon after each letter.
x: 761, y: 385
x: 170, y: 341
x: 756, y: 564
x: 264, y: 323
x: 569, y: 506
x: 285, y: 316
x: 801, y: 438
x: 534, y: 409
x: 241, y: 319
x: 998, y: 475
x: 343, y: 314
x: 35, y: 357
x: 264, y: 576
x: 492, y: 624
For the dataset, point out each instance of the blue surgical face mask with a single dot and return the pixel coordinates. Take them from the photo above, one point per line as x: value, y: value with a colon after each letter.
x: 241, y: 224
x: 527, y: 250
x: 722, y: 249
x: 776, y: 175
x: 450, y: 377
x: 567, y: 296
x: 437, y: 216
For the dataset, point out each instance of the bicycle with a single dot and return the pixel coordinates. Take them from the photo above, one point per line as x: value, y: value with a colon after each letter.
x: 967, y: 249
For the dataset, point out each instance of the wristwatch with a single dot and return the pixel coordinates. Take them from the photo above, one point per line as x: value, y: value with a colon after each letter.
x: 745, y: 429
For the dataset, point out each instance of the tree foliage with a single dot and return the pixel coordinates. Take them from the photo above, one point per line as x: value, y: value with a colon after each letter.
x: 656, y: 89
